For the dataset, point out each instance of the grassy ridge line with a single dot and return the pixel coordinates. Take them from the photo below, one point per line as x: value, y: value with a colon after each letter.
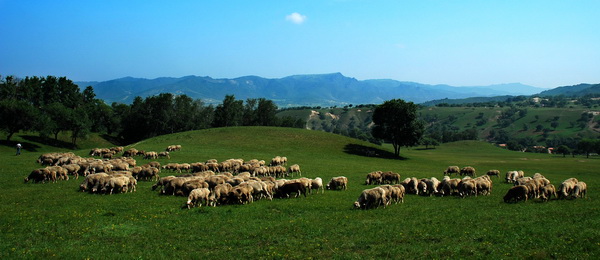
x: 468, y: 116
x: 49, y: 220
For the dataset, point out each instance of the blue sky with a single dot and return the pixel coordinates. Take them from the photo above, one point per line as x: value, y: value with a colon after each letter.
x: 462, y: 43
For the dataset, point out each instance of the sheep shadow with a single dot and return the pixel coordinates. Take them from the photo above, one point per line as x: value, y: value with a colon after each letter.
x: 361, y: 150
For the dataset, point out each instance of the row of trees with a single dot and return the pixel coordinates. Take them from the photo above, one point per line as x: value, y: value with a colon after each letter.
x: 47, y: 105
x: 52, y: 105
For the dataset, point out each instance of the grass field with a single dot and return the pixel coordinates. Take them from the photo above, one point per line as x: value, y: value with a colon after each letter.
x: 56, y: 221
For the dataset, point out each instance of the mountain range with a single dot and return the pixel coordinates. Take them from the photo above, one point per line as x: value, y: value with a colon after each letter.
x: 332, y: 89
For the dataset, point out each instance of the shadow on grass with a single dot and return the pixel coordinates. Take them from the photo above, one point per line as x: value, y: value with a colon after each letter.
x: 113, y: 140
x: 48, y: 141
x: 366, y: 151
x: 27, y: 146
x: 424, y: 149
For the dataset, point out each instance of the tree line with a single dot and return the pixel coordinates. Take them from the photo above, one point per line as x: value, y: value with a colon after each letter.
x: 51, y: 105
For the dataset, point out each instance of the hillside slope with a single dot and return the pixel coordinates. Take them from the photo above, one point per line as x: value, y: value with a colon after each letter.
x: 40, y: 219
x: 576, y: 90
x: 538, y: 123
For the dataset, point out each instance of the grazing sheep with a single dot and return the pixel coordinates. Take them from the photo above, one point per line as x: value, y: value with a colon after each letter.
x: 467, y: 171
x: 432, y: 186
x: 287, y: 189
x: 72, y: 169
x: 220, y: 194
x: 566, y: 187
x: 394, y: 193
x: 516, y: 194
x: 39, y: 175
x: 275, y: 161
x: 259, y: 189
x: 522, y: 181
x: 546, y: 192
x: 580, y: 190
x: 164, y: 154
x: 336, y: 183
x: 151, y: 155
x: 422, y: 187
x: 371, y: 198
x: 538, y: 175
x: 120, y: 166
x: 541, y: 181
x: 411, y: 185
x: 171, y: 148
x: 390, y: 178
x: 294, y: 169
x: 305, y: 181
x: 493, y: 173
x: 373, y: 178
x: 197, y: 197
x: 317, y: 184
x: 199, y: 167
x: 58, y: 173
x: 215, y: 180
x: 532, y: 188
x: 401, y: 192
x: 241, y: 194
x: 192, y: 184
x: 452, y: 169
x: 130, y: 153
x: 449, y: 186
x: 174, y: 185
x: 513, y: 176
x: 119, y: 184
x: 244, y: 176
x: 483, y: 185
x: 467, y: 187
x: 90, y: 181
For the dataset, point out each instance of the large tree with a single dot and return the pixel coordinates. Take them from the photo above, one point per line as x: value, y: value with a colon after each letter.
x: 16, y: 116
x: 265, y: 112
x: 587, y: 146
x: 229, y: 113
x: 396, y: 123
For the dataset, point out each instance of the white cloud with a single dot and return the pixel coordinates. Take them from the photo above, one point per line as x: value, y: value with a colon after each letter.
x: 295, y: 18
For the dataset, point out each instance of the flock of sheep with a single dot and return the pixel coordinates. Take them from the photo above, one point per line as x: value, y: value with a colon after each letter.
x: 209, y: 183
x: 235, y: 181
x: 539, y: 187
x: 536, y: 187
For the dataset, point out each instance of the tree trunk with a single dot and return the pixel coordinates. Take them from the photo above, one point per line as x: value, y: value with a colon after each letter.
x: 9, y: 136
x: 397, y: 150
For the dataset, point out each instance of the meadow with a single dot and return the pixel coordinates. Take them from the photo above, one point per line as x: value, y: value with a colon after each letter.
x: 54, y: 220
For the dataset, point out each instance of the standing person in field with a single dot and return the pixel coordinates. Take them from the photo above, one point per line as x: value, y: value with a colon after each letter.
x: 19, y: 148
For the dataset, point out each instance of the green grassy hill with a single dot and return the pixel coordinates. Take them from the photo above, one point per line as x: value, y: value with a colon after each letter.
x: 569, y: 123
x: 537, y: 122
x: 32, y: 142
x: 55, y: 220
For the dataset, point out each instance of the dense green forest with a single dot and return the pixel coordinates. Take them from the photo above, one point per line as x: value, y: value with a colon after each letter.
x: 51, y: 105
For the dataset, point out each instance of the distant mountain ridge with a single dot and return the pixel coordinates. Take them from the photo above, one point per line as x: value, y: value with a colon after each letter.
x: 332, y: 89
x: 575, y: 91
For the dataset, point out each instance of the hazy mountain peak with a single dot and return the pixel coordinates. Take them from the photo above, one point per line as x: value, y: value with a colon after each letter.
x: 332, y: 89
